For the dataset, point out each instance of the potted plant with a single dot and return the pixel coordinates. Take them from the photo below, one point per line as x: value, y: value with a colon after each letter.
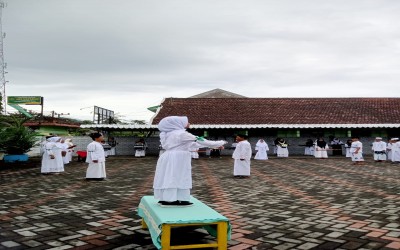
x: 16, y: 139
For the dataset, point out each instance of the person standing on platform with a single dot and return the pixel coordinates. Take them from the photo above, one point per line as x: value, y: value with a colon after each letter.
x: 261, y: 148
x: 96, y: 159
x: 379, y: 149
x: 356, y: 151
x: 173, y: 177
x: 242, y: 157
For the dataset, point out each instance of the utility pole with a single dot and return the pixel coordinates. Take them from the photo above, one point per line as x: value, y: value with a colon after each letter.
x: 3, y: 65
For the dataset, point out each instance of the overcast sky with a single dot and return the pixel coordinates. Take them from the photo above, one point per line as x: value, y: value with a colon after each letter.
x: 127, y: 55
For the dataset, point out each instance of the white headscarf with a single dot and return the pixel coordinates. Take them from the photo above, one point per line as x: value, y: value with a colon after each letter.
x: 171, y: 123
x: 260, y: 143
x: 54, y: 139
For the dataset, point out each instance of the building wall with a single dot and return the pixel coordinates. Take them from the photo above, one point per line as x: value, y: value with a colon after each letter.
x: 125, y: 144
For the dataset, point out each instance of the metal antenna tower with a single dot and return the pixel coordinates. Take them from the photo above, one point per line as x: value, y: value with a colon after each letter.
x: 3, y: 65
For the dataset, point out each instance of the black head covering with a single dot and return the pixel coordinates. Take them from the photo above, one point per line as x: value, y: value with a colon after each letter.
x: 95, y: 135
x: 321, y: 143
x: 242, y: 136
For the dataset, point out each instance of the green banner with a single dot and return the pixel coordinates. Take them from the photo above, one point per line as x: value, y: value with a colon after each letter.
x: 25, y: 100
x: 21, y: 110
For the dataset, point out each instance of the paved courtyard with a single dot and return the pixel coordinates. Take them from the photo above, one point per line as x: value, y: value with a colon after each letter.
x: 294, y: 203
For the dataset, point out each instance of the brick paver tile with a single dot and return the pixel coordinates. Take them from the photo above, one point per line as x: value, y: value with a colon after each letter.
x: 393, y: 245
x: 291, y: 203
x: 240, y: 247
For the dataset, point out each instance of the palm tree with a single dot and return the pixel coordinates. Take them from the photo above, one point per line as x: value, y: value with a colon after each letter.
x: 15, y: 138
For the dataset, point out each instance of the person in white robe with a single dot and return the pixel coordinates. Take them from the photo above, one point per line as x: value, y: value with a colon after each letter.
x: 379, y: 149
x: 173, y: 177
x: 309, y: 147
x: 106, y: 147
x: 356, y: 151
x: 113, y: 143
x: 242, y: 157
x: 282, y: 148
x: 395, y: 150
x: 52, y: 160
x: 96, y: 158
x: 321, y: 149
x: 261, y: 148
x: 276, y: 145
x: 389, y: 150
x: 70, y: 148
x: 64, y: 152
x: 140, y: 148
x: 347, y: 146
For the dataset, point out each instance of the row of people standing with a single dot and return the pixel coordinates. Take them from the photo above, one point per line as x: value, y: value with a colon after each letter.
x: 56, y: 152
x: 386, y: 151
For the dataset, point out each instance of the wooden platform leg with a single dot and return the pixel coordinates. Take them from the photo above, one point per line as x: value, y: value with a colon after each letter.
x: 222, y: 235
x: 144, y: 225
x: 166, y: 237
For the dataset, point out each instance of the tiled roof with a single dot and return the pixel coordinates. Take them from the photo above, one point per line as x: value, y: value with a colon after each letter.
x: 280, y: 111
x: 217, y: 93
x: 241, y: 126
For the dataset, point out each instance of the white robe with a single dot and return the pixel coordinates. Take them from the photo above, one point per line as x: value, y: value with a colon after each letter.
x: 309, y: 150
x: 97, y: 170
x: 242, y: 156
x: 282, y: 151
x: 396, y: 152
x: 359, y: 155
x: 64, y: 147
x: 173, y: 177
x: 379, y: 149
x: 141, y: 152
x: 261, y: 148
x: 389, y: 151
x: 70, y: 151
x: 49, y: 165
x: 348, y: 154
x: 321, y: 152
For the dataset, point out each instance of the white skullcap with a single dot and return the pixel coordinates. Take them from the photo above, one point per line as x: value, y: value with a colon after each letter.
x: 395, y: 139
x: 378, y: 138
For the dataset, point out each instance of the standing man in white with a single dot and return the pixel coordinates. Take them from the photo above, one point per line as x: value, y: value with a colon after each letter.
x: 379, y: 149
x: 96, y: 159
x: 242, y: 156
